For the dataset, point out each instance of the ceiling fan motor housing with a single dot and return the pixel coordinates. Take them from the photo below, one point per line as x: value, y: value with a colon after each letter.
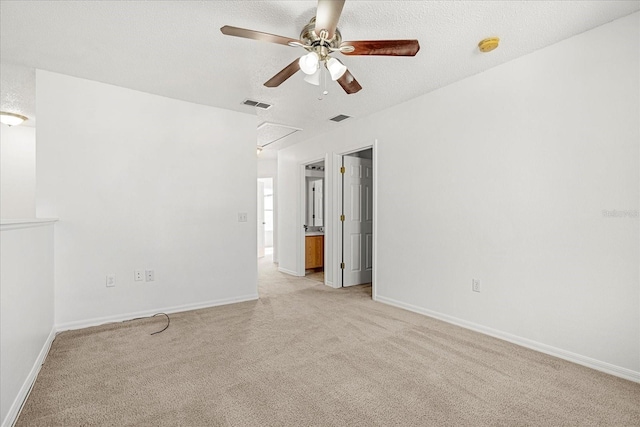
x: 321, y: 46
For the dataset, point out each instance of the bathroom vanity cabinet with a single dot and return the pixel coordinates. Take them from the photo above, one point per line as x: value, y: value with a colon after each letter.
x: 314, y: 251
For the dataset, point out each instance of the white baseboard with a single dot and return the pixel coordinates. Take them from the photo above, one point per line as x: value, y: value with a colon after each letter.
x: 128, y: 316
x: 16, y: 406
x: 589, y: 362
x: 286, y: 271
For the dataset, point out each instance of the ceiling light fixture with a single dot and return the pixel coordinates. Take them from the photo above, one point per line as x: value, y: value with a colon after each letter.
x: 11, y: 119
x: 336, y: 68
x: 314, y: 78
x: 309, y: 63
x: 259, y: 151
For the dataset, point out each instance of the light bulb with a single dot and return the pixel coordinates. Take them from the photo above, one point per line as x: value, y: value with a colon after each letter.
x: 309, y: 63
x: 336, y: 68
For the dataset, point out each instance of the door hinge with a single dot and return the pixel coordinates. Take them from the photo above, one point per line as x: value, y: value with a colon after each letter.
x: 342, y: 218
x: 342, y: 266
x: 342, y: 169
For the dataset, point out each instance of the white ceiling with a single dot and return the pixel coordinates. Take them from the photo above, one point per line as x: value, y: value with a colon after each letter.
x: 175, y: 49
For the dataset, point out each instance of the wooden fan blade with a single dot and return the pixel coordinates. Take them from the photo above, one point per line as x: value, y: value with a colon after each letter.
x: 383, y: 47
x: 349, y: 83
x: 327, y: 16
x: 283, y: 75
x: 256, y: 35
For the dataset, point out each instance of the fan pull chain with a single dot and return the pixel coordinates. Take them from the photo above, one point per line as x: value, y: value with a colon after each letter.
x: 323, y: 75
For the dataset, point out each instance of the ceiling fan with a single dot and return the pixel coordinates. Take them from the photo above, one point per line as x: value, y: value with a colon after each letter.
x: 321, y: 37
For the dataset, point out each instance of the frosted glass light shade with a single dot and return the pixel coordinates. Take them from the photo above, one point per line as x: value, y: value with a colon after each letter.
x: 314, y: 78
x: 336, y: 68
x: 11, y: 119
x: 309, y: 63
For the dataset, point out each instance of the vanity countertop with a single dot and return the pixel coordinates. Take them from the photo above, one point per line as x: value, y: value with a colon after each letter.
x: 314, y: 233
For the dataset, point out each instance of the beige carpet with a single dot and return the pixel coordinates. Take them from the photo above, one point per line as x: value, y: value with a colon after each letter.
x: 306, y: 355
x: 317, y: 276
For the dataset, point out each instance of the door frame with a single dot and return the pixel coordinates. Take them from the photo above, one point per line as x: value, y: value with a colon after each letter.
x: 332, y: 207
x: 260, y: 218
x: 337, y: 194
x: 302, y: 210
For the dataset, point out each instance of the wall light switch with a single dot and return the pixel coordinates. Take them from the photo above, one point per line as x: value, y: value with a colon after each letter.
x: 475, y: 285
x: 150, y: 276
x: 138, y: 275
x: 111, y: 280
x: 242, y: 216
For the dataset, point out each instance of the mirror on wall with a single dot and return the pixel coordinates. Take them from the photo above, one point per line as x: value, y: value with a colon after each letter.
x: 315, y: 201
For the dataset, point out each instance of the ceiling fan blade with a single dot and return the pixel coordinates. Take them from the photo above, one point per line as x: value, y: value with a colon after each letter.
x: 257, y: 35
x: 283, y: 75
x: 327, y: 16
x: 383, y: 47
x: 349, y: 83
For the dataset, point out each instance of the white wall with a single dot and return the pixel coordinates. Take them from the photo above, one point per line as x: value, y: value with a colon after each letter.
x: 26, y: 314
x: 17, y: 172
x: 504, y: 177
x: 268, y: 168
x: 144, y: 182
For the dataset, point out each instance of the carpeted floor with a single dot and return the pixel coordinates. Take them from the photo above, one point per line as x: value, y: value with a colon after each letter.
x: 305, y: 354
x: 317, y: 276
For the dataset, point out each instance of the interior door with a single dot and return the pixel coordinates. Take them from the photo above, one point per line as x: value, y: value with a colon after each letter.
x: 260, y: 217
x: 357, y: 236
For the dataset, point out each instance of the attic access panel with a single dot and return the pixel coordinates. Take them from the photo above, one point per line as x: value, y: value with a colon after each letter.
x: 268, y: 133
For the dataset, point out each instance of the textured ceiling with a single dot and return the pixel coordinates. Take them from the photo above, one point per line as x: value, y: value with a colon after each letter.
x: 175, y: 49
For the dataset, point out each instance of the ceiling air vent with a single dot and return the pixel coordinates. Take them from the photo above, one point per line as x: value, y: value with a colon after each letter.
x: 339, y: 118
x: 257, y: 104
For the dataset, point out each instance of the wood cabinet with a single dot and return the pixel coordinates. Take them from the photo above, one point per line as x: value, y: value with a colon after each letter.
x: 314, y: 252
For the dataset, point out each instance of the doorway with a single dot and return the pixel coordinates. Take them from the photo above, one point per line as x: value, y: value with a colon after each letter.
x: 356, y: 217
x: 265, y: 217
x: 314, y: 225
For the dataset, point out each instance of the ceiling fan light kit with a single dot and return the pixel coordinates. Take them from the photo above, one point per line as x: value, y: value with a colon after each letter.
x: 321, y: 37
x: 309, y: 63
x: 336, y: 68
x: 314, y: 78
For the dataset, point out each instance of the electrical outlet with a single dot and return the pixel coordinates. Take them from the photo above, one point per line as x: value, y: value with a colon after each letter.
x: 475, y: 285
x: 150, y: 276
x: 138, y: 275
x: 242, y: 217
x: 111, y: 280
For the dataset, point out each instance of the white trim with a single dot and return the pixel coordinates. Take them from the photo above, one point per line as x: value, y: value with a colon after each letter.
x: 327, y: 268
x: 289, y: 272
x: 175, y: 309
x: 589, y: 362
x: 16, y: 406
x: 300, y: 221
x: 14, y: 224
x: 374, y: 272
x: 336, y: 210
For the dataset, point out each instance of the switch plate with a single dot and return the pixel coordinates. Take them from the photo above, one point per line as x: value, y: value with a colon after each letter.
x: 475, y: 285
x: 111, y: 280
x: 138, y: 275
x: 242, y: 217
x: 150, y: 276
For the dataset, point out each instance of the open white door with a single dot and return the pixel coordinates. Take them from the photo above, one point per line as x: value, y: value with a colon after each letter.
x: 357, y: 236
x: 260, y: 217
